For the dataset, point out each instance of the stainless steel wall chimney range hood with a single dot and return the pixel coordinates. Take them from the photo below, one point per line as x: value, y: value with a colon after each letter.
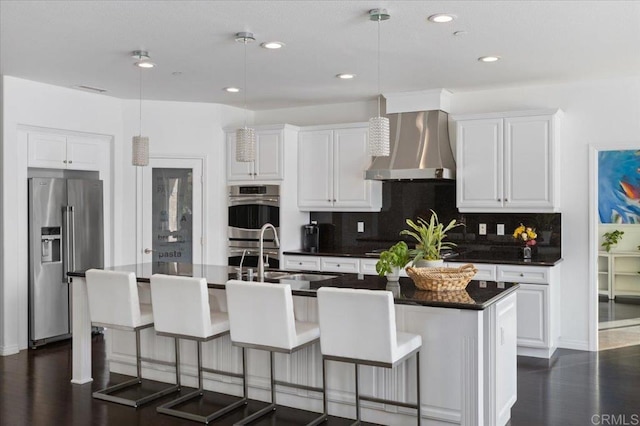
x: 420, y: 148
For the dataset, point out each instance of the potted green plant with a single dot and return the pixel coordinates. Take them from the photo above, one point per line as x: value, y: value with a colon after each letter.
x: 430, y: 240
x: 392, y: 260
x: 611, y: 239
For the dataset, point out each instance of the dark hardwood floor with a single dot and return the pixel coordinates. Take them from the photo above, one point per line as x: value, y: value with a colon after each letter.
x: 568, y: 390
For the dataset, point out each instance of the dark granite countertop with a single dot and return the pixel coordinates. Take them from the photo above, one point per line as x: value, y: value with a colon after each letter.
x: 510, y: 257
x: 477, y: 296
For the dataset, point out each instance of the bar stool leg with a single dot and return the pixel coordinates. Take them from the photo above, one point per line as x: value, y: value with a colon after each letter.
x: 273, y: 380
x: 357, y: 395
x: 324, y: 385
x: 418, y: 403
x: 245, y: 386
x: 138, y: 361
x: 200, y: 387
x: 176, y: 344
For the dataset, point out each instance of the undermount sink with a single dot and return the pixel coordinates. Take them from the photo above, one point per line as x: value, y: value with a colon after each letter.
x: 275, y: 275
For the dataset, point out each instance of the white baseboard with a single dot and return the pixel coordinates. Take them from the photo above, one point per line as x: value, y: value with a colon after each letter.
x: 9, y: 350
x: 578, y: 345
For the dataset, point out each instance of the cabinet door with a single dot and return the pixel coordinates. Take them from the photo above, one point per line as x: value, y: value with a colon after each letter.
x: 351, y: 159
x: 533, y: 315
x: 528, y: 162
x: 315, y: 169
x: 236, y: 170
x: 479, y: 164
x: 48, y: 151
x: 368, y: 266
x: 83, y: 154
x: 269, y: 155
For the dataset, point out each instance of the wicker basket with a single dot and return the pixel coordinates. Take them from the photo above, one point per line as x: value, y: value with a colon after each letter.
x: 442, y: 279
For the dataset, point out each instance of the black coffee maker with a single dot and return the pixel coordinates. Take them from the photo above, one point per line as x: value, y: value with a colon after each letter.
x: 311, y: 237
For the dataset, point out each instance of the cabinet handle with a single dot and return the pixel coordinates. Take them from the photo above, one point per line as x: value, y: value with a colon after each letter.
x: 299, y: 263
x: 521, y: 274
x: 64, y: 161
x: 329, y: 200
x: 499, y: 199
x: 334, y: 200
x: 70, y: 161
x: 506, y: 200
x: 338, y: 265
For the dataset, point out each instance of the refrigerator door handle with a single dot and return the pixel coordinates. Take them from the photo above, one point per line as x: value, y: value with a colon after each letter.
x: 69, y: 234
x: 72, y: 238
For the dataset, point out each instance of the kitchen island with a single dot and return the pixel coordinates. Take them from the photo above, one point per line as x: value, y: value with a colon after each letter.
x: 468, y: 362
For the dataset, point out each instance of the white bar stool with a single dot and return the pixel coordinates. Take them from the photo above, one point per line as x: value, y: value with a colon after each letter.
x: 261, y: 317
x: 114, y: 303
x: 181, y: 310
x: 359, y: 327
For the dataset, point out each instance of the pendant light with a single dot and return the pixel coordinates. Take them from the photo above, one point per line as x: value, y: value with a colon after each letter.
x: 246, y: 136
x: 140, y: 144
x: 379, y: 126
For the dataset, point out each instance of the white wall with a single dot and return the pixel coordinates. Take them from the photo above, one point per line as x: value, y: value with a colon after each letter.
x: 604, y: 112
x: 27, y: 103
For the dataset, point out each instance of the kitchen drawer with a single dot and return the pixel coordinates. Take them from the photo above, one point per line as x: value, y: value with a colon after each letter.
x: 340, y: 264
x: 303, y: 263
x: 523, y: 274
x: 368, y: 266
x: 486, y: 272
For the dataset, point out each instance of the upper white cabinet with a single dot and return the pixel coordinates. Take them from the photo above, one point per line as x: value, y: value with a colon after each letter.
x: 269, y: 163
x: 331, y: 166
x: 508, y: 162
x: 56, y: 151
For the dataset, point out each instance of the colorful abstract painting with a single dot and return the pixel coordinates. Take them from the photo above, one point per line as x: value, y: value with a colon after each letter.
x: 619, y: 186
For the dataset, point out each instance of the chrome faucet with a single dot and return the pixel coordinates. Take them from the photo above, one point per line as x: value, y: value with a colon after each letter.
x: 261, y: 259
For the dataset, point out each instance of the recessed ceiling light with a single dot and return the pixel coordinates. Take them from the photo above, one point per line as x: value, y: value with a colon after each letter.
x: 489, y: 58
x: 231, y: 89
x: 441, y: 18
x: 346, y: 76
x: 272, y: 45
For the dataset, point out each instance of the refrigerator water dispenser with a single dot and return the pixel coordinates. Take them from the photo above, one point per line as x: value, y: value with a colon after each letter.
x: 50, y: 241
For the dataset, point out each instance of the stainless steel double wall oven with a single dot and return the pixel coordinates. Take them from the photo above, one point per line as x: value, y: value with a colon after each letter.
x: 250, y: 207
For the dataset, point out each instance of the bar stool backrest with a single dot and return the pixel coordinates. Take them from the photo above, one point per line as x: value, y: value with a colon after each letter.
x: 357, y: 324
x: 113, y: 298
x: 261, y: 314
x: 181, y: 305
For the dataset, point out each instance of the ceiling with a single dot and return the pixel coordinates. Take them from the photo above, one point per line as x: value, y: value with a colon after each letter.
x: 70, y: 43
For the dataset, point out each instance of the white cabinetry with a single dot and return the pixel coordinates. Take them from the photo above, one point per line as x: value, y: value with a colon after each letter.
x: 302, y: 263
x: 57, y: 151
x: 618, y: 273
x: 331, y: 166
x: 269, y: 163
x: 508, y: 162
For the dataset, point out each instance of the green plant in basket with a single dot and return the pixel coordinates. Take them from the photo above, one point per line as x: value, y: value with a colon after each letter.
x: 429, y: 237
x: 396, y: 257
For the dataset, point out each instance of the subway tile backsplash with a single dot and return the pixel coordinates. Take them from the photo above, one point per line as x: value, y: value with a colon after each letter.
x: 412, y: 199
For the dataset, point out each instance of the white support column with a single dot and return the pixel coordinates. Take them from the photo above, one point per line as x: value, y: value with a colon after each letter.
x: 81, y: 340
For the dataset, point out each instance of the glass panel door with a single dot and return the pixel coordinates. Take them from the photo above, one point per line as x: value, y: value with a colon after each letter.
x: 172, y: 215
x: 172, y: 211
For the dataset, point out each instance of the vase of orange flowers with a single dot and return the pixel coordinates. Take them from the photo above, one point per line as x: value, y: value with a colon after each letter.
x: 527, y: 236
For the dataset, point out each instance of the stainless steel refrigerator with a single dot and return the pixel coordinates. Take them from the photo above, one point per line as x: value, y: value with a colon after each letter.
x: 65, y: 234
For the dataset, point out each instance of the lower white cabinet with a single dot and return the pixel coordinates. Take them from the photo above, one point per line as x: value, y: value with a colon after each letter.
x: 302, y: 263
x: 340, y: 264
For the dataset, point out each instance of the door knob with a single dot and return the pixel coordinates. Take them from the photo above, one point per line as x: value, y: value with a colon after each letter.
x: 148, y: 251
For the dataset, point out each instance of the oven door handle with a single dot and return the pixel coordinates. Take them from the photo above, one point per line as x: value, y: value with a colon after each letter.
x: 253, y: 251
x: 239, y: 201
